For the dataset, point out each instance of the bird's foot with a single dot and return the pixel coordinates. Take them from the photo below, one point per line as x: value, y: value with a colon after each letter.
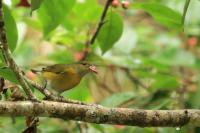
x: 34, y: 99
x: 45, y: 84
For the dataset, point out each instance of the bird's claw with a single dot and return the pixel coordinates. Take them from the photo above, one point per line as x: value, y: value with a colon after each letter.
x: 45, y: 84
x: 35, y: 100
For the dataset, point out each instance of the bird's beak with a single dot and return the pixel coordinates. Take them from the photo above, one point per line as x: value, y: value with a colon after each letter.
x: 93, y: 69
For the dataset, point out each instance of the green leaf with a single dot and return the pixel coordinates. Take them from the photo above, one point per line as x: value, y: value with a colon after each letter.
x: 159, y: 104
x: 194, y: 98
x: 61, y: 56
x: 8, y: 74
x: 164, y: 15
x: 98, y: 127
x: 11, y: 28
x: 52, y: 12
x: 169, y: 83
x: 1, y: 59
x: 175, y: 57
x: 80, y: 92
x: 117, y: 99
x: 110, y: 32
x: 35, y: 4
x: 33, y: 23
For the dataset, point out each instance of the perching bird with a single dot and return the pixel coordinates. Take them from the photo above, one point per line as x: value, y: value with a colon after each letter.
x: 62, y: 77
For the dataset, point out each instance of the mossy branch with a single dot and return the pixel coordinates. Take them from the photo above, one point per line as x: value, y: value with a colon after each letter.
x: 8, y: 57
x: 102, y: 115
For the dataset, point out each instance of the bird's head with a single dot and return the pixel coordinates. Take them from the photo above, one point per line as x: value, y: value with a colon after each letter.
x: 85, y: 67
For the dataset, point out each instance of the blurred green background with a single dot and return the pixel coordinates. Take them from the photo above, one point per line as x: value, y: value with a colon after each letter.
x: 146, y: 57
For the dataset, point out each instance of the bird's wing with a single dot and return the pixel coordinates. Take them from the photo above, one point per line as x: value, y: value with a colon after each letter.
x: 59, y: 68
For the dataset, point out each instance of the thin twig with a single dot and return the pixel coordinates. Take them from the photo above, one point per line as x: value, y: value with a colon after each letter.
x: 52, y: 97
x: 124, y: 104
x: 8, y: 58
x: 103, y: 85
x: 79, y: 127
x: 187, y: 2
x: 31, y: 125
x: 100, y: 24
x: 135, y: 80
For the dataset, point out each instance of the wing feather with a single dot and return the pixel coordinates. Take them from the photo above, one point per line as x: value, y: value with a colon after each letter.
x: 59, y: 68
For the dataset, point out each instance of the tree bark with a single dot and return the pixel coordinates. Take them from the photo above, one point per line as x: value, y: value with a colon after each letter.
x: 101, y: 115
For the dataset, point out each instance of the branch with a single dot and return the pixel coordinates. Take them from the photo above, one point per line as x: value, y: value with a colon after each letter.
x: 8, y: 58
x: 52, y: 97
x: 187, y: 2
x: 18, y: 73
x: 102, y: 115
x: 100, y: 24
x: 134, y: 79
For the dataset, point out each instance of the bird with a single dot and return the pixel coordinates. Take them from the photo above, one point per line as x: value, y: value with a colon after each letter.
x: 63, y: 77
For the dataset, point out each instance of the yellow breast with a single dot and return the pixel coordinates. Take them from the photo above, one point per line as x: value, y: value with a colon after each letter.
x: 63, y: 81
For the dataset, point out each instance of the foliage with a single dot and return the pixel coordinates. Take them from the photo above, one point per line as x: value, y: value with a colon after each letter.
x: 144, y: 58
x: 11, y: 28
x: 110, y: 32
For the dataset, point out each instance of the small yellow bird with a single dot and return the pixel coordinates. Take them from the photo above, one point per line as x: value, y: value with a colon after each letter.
x: 62, y: 77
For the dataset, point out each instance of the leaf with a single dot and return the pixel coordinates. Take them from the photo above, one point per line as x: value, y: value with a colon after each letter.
x: 11, y: 28
x: 90, y: 11
x: 80, y: 92
x: 175, y: 57
x: 159, y: 104
x: 52, y: 12
x: 98, y: 127
x: 110, y: 32
x: 61, y: 56
x: 169, y: 83
x: 33, y: 23
x: 1, y: 59
x: 35, y: 4
x: 194, y: 98
x: 164, y: 15
x: 117, y: 99
x: 8, y: 74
